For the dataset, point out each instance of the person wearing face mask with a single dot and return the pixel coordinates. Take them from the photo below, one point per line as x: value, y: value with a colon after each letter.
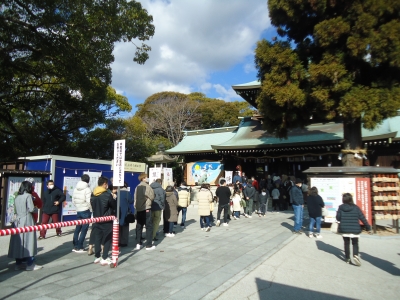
x: 52, y: 203
x: 263, y: 202
x: 143, y: 199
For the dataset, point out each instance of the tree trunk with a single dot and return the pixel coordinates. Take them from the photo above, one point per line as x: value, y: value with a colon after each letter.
x: 353, y: 141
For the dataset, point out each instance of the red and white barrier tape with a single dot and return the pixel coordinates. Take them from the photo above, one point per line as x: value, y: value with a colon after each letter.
x: 19, y: 230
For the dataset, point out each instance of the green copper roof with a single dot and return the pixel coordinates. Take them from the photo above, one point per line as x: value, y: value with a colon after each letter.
x: 256, y: 84
x: 197, y: 141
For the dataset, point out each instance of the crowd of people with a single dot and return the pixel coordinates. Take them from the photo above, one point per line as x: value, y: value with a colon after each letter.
x: 150, y: 202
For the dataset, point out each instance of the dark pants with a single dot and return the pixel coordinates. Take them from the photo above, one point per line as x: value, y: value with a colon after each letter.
x: 224, y: 207
x: 275, y: 204
x: 205, y: 221
x: 354, y: 241
x: 123, y: 234
x: 81, y: 229
x: 45, y: 220
x: 256, y: 206
x: 144, y: 218
x: 102, y: 236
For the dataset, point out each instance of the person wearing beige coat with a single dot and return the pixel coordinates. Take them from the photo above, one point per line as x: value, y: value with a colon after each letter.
x: 204, y: 198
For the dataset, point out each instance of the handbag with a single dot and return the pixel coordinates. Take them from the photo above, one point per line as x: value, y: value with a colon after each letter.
x: 324, y: 211
x: 335, y: 227
x: 242, y: 203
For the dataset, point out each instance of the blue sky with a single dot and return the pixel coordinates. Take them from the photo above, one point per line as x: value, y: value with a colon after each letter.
x: 199, y: 46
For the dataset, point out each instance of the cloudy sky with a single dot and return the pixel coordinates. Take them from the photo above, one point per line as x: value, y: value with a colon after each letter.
x: 198, y: 46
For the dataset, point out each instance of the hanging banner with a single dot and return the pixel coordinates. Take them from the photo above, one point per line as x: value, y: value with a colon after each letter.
x: 119, y: 163
x: 94, y: 178
x: 168, y: 177
x: 14, y: 184
x: 332, y: 189
x: 228, y: 177
x: 154, y: 173
x: 201, y: 172
x: 70, y: 183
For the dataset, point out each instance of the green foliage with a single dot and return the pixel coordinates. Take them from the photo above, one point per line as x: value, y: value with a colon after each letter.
x: 335, y: 59
x: 55, y: 72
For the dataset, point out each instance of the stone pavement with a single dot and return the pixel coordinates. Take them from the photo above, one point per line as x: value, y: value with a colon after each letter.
x: 256, y: 258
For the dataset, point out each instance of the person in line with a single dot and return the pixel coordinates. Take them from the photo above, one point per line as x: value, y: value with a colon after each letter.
x: 103, y: 205
x: 81, y: 200
x: 183, y: 201
x: 23, y: 246
x: 296, y: 195
x: 37, y: 201
x: 211, y: 204
x: 144, y: 197
x: 124, y: 207
x: 244, y: 178
x: 237, y: 178
x: 204, y: 199
x: 224, y: 195
x: 256, y: 201
x: 157, y: 206
x: 254, y: 183
x: 52, y: 203
x: 236, y: 204
x: 170, y: 212
x: 349, y: 215
x: 314, y: 207
x: 249, y: 192
x: 275, y: 198
x: 263, y: 202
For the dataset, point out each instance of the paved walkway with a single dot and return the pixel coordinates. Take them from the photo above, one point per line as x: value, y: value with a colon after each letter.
x: 256, y: 258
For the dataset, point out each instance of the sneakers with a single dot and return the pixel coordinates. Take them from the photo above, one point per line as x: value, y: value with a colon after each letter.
x: 297, y: 232
x: 202, y: 229
x: 234, y: 217
x: 105, y: 262
x: 74, y: 249
x: 33, y: 267
x: 318, y: 236
x: 97, y: 260
x: 169, y: 235
x: 225, y: 224
x: 259, y: 215
x: 357, y: 260
x: 310, y: 235
x: 59, y: 235
x: 137, y: 247
x: 246, y: 216
x: 80, y: 251
x: 151, y: 248
x: 249, y: 216
x: 347, y: 261
x: 218, y: 223
x: 183, y: 226
x: 208, y: 229
x: 90, y: 251
x: 41, y: 238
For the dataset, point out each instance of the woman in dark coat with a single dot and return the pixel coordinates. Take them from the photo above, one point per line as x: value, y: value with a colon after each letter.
x: 170, y: 211
x: 314, y: 206
x: 348, y: 215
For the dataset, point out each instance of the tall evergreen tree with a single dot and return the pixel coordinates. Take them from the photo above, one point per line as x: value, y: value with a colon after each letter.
x: 334, y: 59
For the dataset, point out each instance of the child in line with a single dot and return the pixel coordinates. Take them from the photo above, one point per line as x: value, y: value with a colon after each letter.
x: 236, y: 204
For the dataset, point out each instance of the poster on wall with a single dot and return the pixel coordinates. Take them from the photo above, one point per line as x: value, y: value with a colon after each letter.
x: 13, y: 186
x: 332, y: 189
x: 168, y: 177
x: 204, y: 172
x: 228, y: 177
x: 69, y: 186
x: 154, y: 173
x: 94, y: 178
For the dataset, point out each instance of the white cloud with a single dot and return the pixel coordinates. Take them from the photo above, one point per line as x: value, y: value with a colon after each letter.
x: 192, y: 40
x: 226, y: 94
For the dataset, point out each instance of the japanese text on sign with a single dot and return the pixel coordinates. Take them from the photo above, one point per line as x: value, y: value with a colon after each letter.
x: 119, y: 163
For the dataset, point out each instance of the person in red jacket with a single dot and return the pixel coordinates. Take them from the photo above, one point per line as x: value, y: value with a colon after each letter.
x: 37, y: 201
x: 255, y: 183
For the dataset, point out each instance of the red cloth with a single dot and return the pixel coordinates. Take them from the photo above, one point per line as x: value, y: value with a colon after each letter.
x: 38, y: 203
x: 45, y: 220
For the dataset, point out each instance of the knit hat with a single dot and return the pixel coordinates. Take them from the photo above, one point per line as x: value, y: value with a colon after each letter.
x: 298, y: 180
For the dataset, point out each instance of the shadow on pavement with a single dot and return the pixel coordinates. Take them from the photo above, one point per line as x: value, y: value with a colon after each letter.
x: 271, y: 290
x: 287, y: 225
x: 329, y: 249
x: 382, y: 264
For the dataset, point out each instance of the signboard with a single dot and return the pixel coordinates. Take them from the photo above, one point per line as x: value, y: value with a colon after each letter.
x: 94, y: 178
x: 13, y: 186
x: 154, y: 173
x: 332, y: 189
x: 131, y: 166
x: 168, y: 176
x: 119, y: 163
x: 228, y: 177
x: 204, y: 172
x: 70, y: 183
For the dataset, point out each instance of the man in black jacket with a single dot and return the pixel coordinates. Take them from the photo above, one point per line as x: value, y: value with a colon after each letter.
x: 296, y: 196
x: 249, y: 193
x: 103, y: 205
x: 52, y: 202
x: 224, y: 195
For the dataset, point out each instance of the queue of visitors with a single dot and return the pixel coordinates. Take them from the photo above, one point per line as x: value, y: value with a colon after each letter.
x: 245, y: 197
